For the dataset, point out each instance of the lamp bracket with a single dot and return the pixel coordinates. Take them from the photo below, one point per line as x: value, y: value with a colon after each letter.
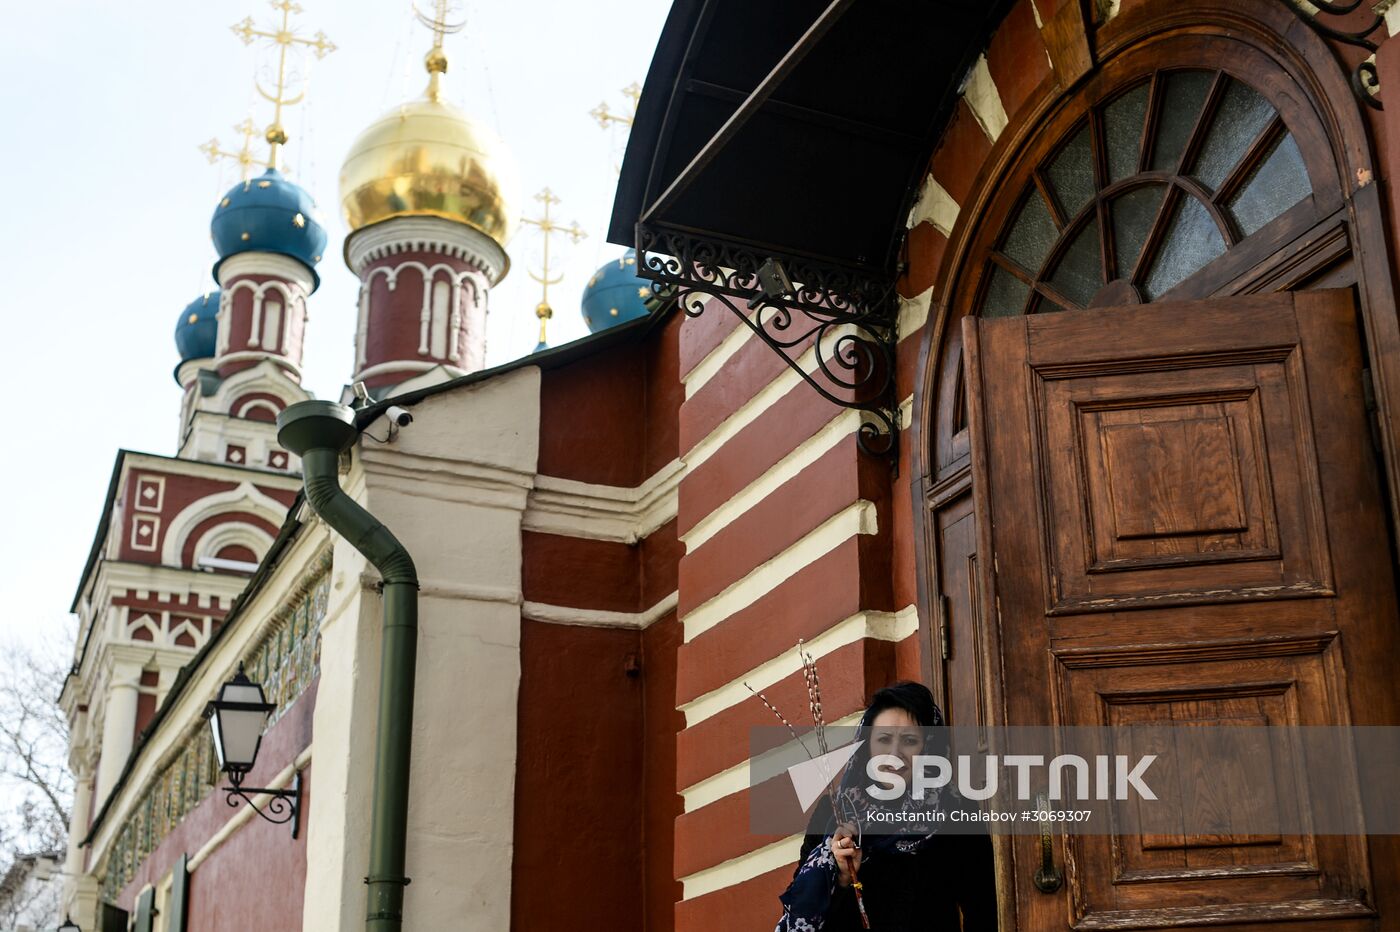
x: 836, y: 327
x: 282, y: 806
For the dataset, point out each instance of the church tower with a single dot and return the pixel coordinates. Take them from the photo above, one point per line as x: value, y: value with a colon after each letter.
x: 241, y: 366
x: 430, y: 197
x: 269, y: 241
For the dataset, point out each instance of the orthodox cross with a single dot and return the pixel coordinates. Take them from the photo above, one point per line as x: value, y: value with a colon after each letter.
x: 604, y: 116
x: 441, y: 26
x: 547, y: 227
x: 244, y: 156
x: 284, y: 37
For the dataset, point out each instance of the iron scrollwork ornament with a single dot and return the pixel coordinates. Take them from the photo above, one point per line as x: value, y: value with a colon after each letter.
x: 834, y: 327
x: 282, y: 806
x: 1365, y: 80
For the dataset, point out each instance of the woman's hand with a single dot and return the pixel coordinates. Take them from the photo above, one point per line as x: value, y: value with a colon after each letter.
x: 843, y: 846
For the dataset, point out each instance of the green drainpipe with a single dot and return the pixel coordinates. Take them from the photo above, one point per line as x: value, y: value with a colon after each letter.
x: 318, y: 431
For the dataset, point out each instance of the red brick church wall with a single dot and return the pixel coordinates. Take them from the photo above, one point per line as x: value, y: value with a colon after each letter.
x: 595, y: 799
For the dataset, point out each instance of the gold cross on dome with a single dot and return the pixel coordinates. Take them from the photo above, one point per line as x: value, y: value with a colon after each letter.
x: 244, y: 156
x: 548, y: 227
x: 441, y: 26
x: 284, y: 36
x: 604, y: 115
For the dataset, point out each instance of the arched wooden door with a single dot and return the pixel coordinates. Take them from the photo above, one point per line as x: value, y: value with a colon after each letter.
x: 1150, y: 490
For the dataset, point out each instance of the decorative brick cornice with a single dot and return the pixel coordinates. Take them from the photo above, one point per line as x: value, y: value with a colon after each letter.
x: 426, y: 234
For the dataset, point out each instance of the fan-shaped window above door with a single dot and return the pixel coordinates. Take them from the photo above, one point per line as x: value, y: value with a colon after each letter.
x: 1148, y: 188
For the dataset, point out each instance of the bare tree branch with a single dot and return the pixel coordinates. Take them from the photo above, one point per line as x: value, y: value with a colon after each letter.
x: 36, y: 789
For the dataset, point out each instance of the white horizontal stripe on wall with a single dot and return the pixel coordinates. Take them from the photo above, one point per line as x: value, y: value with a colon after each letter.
x: 857, y: 518
x: 878, y: 626
x: 598, y: 618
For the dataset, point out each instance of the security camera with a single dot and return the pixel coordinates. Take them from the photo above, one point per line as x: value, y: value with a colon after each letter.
x: 398, y: 416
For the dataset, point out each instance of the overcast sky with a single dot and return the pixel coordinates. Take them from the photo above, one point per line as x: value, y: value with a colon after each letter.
x: 104, y: 236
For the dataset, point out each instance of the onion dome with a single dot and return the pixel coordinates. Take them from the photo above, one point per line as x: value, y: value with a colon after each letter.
x: 269, y: 214
x: 196, y: 332
x: 426, y: 158
x: 616, y: 293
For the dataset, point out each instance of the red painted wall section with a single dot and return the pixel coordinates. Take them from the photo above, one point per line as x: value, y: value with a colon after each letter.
x: 661, y: 803
x: 700, y: 335
x: 1017, y: 58
x: 180, y: 490
x: 610, y: 417
x: 576, y: 572
x: 187, y: 554
x: 597, y: 736
x: 145, y: 702
x: 661, y: 553
x: 664, y: 395
x: 580, y: 771
x: 580, y: 573
x: 752, y: 904
x: 256, y: 879
x: 598, y: 719
x: 960, y: 153
x: 259, y: 857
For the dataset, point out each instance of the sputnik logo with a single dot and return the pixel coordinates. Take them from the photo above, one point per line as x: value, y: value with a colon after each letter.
x: 810, y: 778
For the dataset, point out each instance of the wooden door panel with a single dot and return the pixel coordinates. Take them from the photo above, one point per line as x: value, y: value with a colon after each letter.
x: 1179, y: 485
x: 957, y: 624
x: 1181, y: 522
x: 1146, y: 868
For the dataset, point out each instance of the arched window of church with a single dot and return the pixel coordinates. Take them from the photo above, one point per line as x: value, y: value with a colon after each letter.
x: 442, y: 301
x: 272, y: 322
x: 1150, y: 187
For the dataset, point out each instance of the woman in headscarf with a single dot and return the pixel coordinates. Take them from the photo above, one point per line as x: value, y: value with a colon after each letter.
x: 915, y: 876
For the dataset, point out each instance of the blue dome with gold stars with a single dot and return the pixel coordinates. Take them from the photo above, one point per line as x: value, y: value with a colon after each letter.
x: 615, y: 294
x: 196, y: 333
x: 269, y: 214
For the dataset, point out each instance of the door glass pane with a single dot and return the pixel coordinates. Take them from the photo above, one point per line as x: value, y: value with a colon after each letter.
x: 1122, y: 122
x: 1192, y: 240
x: 1133, y: 214
x: 1279, y: 182
x: 1006, y: 294
x: 1181, y: 104
x: 1071, y: 174
x: 1032, y: 234
x: 1241, y: 116
x: 1079, y: 274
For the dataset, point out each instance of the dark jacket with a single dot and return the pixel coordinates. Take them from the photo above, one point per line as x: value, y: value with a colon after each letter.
x: 923, y: 891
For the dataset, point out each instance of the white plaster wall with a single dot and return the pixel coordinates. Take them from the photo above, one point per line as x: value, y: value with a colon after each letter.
x: 453, y: 488
x: 337, y: 841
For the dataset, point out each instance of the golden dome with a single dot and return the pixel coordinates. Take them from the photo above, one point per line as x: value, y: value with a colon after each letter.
x: 426, y: 158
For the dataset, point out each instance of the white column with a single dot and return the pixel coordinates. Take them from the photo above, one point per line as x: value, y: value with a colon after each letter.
x: 78, y: 822
x: 118, y: 726
x: 79, y: 890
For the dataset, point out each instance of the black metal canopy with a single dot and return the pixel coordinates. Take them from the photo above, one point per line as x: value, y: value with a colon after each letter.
x: 796, y: 127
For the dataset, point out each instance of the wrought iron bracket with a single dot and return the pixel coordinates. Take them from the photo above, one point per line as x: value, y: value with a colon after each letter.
x: 835, y: 327
x: 282, y: 807
x: 1365, y: 79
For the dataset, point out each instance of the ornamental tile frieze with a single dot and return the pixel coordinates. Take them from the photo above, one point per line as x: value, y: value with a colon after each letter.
x: 286, y: 660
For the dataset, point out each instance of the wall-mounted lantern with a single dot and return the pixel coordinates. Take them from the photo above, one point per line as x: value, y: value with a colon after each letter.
x: 69, y: 925
x: 237, y: 716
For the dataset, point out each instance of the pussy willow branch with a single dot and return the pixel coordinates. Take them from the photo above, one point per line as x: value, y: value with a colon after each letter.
x: 814, y: 705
